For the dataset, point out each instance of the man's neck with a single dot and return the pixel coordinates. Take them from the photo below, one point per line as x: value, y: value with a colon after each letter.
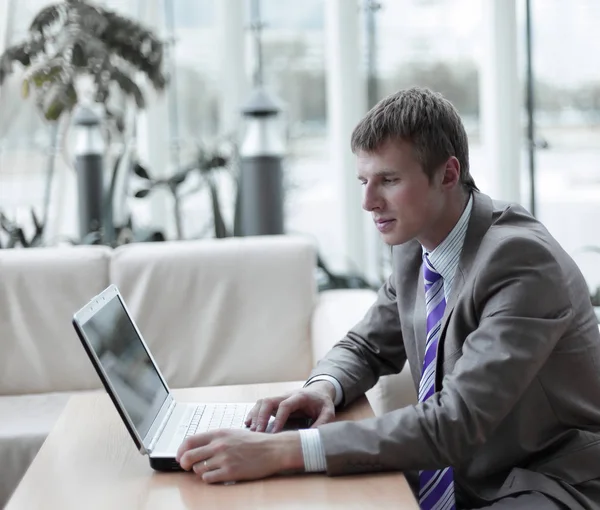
x: 447, y: 222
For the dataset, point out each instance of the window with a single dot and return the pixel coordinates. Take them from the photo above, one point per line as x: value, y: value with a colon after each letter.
x: 567, y: 124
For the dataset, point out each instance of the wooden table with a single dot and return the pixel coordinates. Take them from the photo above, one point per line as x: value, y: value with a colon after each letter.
x: 89, y: 461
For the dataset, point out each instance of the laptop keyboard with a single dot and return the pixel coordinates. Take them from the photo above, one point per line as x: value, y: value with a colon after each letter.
x: 217, y: 416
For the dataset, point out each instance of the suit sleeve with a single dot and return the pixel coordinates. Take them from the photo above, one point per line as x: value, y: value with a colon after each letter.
x: 372, y: 348
x: 523, y: 306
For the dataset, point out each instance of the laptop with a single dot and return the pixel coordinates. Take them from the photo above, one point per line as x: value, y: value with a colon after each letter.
x: 157, y: 423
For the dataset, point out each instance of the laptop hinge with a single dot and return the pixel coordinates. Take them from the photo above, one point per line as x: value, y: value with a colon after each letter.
x: 161, y: 427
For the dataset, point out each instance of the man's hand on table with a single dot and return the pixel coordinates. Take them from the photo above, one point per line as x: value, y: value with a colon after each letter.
x: 234, y: 455
x: 314, y: 401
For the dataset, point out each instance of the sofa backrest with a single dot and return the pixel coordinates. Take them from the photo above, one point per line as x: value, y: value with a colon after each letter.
x: 228, y: 311
x: 213, y: 312
x: 40, y: 289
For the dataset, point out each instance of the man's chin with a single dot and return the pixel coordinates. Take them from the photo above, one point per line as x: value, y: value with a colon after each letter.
x: 395, y: 238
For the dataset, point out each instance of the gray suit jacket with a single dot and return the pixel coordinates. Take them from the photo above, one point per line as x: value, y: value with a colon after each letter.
x: 517, y: 402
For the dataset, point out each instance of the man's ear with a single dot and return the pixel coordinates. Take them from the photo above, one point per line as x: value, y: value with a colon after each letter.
x: 451, y: 173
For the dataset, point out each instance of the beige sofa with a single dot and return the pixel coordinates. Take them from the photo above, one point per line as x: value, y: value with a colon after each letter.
x: 213, y: 312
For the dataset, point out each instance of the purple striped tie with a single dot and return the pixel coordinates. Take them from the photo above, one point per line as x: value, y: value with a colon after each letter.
x: 436, y: 487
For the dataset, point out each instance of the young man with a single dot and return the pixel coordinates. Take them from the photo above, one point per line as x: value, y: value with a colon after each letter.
x: 494, y: 319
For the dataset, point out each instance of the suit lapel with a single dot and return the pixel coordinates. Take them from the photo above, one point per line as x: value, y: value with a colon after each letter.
x: 411, y: 290
x: 420, y: 320
x: 479, y: 222
x: 411, y: 300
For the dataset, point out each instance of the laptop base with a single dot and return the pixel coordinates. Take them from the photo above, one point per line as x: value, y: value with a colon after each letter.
x: 165, y: 464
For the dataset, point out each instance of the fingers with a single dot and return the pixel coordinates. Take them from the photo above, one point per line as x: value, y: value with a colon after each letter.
x: 211, y: 471
x: 200, y: 468
x: 327, y: 415
x: 267, y: 408
x: 253, y: 413
x: 217, y: 476
x: 237, y: 455
x: 259, y: 416
x: 192, y: 442
x: 197, y: 455
x: 287, y: 407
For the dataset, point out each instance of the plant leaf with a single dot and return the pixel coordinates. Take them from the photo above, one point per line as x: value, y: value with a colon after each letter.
x: 18, y: 52
x: 78, y: 56
x: 46, y: 75
x: 117, y: 118
x: 45, y: 18
x: 46, y: 70
x: 23, y: 53
x: 237, y: 213
x: 219, y: 222
x: 5, y: 67
x: 25, y: 88
x: 60, y: 97
x: 91, y: 18
x: 36, y: 221
x: 140, y: 171
x: 176, y: 179
x: 127, y: 85
x: 5, y: 223
x: 141, y: 193
x: 75, y: 37
x: 136, y: 45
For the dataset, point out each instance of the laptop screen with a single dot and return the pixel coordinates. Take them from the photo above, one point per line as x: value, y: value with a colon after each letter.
x: 117, y: 345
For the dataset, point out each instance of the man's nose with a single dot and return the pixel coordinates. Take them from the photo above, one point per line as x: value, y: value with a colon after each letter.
x: 371, y: 199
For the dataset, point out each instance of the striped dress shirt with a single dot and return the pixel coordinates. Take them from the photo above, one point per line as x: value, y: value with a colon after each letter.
x: 444, y: 258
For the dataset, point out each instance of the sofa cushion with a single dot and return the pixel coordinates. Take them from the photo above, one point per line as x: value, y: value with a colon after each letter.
x: 26, y: 421
x: 41, y: 290
x: 223, y: 311
x: 336, y: 313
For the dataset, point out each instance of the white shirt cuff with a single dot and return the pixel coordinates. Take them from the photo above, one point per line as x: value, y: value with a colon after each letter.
x: 339, y: 392
x: 313, y: 452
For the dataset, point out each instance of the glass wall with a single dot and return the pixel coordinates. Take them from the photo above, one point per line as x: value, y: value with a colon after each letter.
x: 36, y: 158
x: 567, y: 124
x: 25, y: 139
x: 433, y: 43
x: 295, y: 56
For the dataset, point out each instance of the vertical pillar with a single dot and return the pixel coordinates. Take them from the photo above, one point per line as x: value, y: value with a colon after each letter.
x: 5, y: 21
x: 500, y: 99
x: 153, y: 133
x: 346, y: 104
x: 233, y: 81
x: 6, y: 9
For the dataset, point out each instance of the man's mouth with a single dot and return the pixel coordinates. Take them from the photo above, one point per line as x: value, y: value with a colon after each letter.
x: 384, y: 224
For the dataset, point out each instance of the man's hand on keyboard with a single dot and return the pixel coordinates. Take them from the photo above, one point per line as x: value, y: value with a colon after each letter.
x: 234, y: 455
x: 314, y: 401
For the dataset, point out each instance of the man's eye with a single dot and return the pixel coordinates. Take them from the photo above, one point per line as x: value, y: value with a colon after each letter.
x: 389, y: 181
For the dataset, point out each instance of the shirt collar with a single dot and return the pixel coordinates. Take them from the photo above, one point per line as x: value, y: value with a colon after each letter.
x: 445, y: 256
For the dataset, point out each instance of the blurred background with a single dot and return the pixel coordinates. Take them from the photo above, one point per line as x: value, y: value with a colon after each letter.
x: 523, y: 74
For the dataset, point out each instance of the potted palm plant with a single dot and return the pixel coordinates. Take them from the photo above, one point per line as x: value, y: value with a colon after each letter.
x: 77, y: 52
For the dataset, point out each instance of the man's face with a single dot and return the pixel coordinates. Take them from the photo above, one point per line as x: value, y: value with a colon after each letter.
x: 403, y: 202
